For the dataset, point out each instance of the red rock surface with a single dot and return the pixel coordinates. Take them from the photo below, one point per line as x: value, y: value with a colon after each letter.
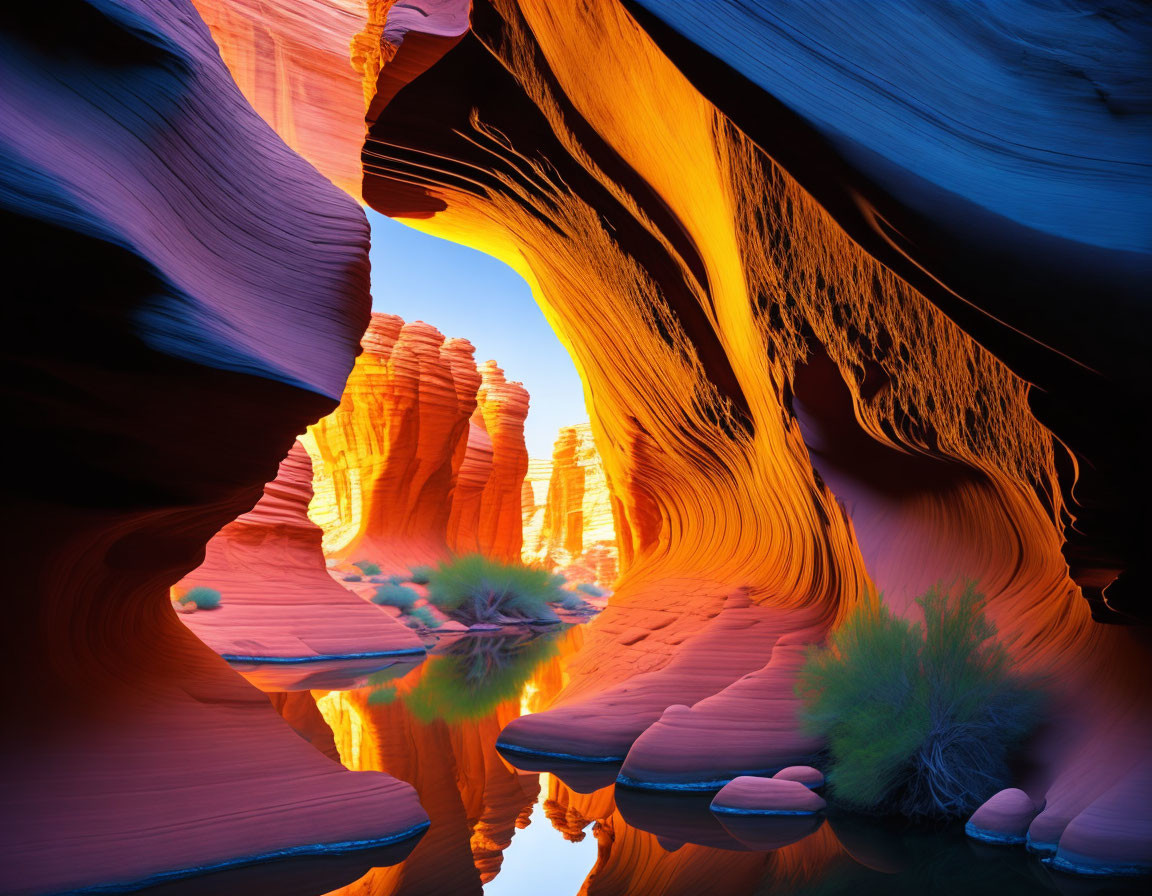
x: 1003, y: 818
x: 279, y: 603
x: 501, y: 408
x: 805, y: 774
x: 386, y: 460
x: 778, y: 411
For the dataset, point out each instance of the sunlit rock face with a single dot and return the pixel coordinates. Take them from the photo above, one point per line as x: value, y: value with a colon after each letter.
x: 501, y: 408
x: 1016, y: 197
x: 278, y: 602
x: 190, y: 296
x: 567, y: 511
x: 425, y: 453
x: 386, y: 460
x: 787, y: 422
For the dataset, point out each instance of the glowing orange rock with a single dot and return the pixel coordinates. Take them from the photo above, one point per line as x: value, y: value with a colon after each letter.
x: 778, y: 412
x: 503, y: 405
x: 386, y: 461
x: 569, y: 526
x: 279, y: 603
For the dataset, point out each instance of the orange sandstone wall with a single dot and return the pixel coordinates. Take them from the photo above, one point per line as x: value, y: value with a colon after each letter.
x: 386, y: 460
x: 488, y: 522
x: 783, y: 419
x: 425, y: 453
x: 787, y: 425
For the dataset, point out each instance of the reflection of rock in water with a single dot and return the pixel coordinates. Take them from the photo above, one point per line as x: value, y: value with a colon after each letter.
x: 472, y: 677
x: 436, y: 729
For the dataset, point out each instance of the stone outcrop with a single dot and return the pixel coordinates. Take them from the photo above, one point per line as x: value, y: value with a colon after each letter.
x: 279, y: 604
x: 814, y: 373
x: 1003, y: 818
x: 491, y: 524
x: 779, y: 410
x: 568, y: 519
x: 425, y: 454
x: 766, y: 796
x: 187, y: 294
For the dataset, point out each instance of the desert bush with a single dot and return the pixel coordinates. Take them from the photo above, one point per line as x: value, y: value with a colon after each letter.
x: 420, y: 575
x: 425, y: 617
x: 919, y: 720
x: 393, y: 595
x: 367, y: 567
x: 573, y: 602
x: 475, y: 589
x: 353, y: 578
x: 203, y: 598
x: 592, y: 590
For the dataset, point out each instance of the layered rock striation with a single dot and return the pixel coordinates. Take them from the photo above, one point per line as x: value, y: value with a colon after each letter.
x: 425, y: 454
x: 279, y: 604
x: 783, y: 414
x: 567, y: 511
x: 188, y: 295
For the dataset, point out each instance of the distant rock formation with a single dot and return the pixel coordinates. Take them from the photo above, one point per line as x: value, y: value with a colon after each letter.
x: 278, y: 601
x: 424, y: 455
x: 501, y: 408
x: 566, y: 505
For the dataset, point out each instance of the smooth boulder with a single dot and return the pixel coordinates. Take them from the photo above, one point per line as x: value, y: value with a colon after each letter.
x: 749, y: 795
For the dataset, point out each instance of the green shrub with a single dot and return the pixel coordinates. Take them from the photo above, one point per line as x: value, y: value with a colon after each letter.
x: 573, y: 603
x: 425, y: 617
x: 918, y: 720
x: 592, y: 590
x: 353, y: 578
x: 367, y: 568
x: 203, y: 598
x: 420, y: 575
x: 392, y: 595
x: 475, y: 589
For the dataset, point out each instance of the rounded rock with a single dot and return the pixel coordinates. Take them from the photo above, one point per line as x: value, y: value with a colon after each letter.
x: 749, y: 795
x: 811, y: 778
x: 1004, y: 818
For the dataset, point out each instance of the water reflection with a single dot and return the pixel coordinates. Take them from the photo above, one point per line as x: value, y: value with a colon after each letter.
x: 510, y: 825
x: 563, y: 829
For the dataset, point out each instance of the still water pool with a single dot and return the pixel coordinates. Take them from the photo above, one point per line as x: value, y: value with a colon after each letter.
x: 554, y: 830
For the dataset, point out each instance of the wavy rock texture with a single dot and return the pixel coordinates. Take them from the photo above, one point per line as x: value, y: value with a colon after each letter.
x: 279, y: 604
x: 191, y: 293
x: 567, y: 511
x: 1013, y: 194
x: 489, y: 523
x: 386, y: 460
x: 425, y: 453
x: 780, y: 412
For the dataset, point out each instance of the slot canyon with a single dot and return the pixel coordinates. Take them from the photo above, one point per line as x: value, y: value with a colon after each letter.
x: 858, y: 301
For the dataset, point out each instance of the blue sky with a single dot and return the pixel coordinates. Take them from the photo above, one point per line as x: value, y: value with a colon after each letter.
x: 466, y: 293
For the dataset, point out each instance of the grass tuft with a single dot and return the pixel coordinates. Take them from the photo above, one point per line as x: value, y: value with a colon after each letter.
x: 393, y: 595
x: 919, y: 720
x: 475, y: 589
x: 203, y: 598
x: 367, y: 567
